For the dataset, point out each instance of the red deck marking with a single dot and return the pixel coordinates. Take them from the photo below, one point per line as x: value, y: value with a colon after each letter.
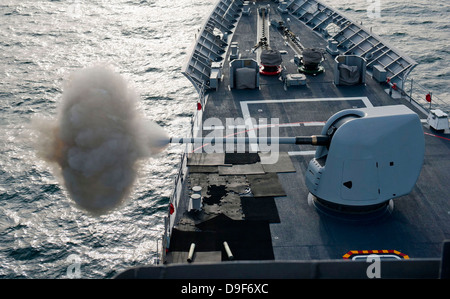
x: 429, y: 134
x: 353, y: 253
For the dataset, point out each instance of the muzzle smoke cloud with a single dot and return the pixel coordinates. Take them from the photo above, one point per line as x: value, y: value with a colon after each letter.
x: 98, y: 138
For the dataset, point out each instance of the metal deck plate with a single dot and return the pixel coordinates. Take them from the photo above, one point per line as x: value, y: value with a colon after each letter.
x: 265, y: 185
x: 284, y: 163
x: 200, y: 159
x: 255, y: 168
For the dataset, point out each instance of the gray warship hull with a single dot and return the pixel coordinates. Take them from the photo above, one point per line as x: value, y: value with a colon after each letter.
x: 270, y: 221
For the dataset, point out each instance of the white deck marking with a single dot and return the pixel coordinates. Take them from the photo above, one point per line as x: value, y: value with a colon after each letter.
x: 251, y: 129
x: 302, y: 153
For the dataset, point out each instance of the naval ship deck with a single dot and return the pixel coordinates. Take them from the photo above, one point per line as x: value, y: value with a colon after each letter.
x: 276, y: 221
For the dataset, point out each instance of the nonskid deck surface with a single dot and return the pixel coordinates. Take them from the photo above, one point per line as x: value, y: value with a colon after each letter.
x: 262, y: 210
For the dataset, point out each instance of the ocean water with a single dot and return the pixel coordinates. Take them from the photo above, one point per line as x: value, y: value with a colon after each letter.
x: 42, y: 233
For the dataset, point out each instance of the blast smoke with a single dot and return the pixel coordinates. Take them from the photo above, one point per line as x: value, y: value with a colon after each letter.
x: 98, y: 138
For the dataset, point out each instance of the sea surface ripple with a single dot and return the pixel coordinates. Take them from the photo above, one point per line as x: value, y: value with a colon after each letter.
x: 42, y: 234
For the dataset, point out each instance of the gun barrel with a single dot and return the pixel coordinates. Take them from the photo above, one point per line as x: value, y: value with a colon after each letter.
x: 312, y: 140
